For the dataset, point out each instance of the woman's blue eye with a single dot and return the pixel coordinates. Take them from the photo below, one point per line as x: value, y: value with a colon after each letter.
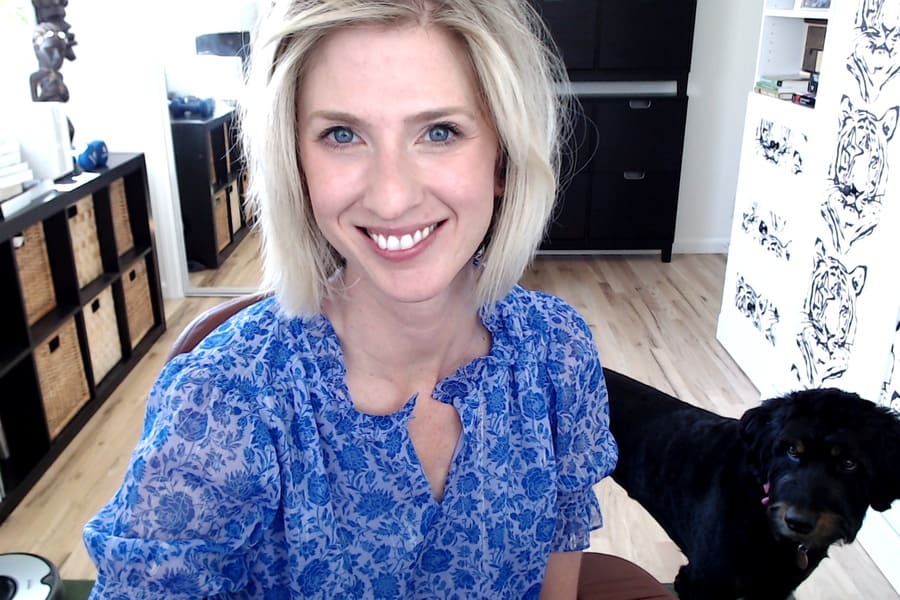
x: 439, y: 133
x: 342, y: 135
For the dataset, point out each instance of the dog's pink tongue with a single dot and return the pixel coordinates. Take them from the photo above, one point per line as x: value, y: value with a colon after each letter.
x: 765, y: 500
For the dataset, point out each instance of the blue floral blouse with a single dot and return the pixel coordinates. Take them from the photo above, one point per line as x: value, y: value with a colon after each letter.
x: 256, y: 477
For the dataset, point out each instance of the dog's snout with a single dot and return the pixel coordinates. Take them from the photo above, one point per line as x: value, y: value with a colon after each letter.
x: 801, y: 522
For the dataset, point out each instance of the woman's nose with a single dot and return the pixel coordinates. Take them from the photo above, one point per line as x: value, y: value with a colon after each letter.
x: 393, y: 187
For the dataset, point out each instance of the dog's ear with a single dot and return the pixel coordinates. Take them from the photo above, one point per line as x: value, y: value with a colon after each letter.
x: 885, y: 486
x: 760, y: 428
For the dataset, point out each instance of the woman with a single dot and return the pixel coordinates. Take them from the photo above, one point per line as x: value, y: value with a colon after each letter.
x: 399, y: 420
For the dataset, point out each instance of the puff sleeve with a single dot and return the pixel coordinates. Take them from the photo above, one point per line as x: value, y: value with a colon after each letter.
x: 579, y: 410
x: 203, y: 482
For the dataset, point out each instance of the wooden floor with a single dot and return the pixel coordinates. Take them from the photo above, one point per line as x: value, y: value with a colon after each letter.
x: 653, y: 321
x: 241, y: 269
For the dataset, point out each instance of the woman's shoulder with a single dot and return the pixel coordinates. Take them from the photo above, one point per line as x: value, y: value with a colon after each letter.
x: 532, y: 311
x: 258, y: 340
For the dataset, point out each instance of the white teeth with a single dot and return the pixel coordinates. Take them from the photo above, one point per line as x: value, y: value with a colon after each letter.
x: 392, y: 243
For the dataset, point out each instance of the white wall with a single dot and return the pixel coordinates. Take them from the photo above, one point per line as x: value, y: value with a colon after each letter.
x: 117, y: 94
x: 726, y: 35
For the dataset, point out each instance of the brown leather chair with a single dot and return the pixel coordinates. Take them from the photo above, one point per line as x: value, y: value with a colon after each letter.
x: 602, y: 576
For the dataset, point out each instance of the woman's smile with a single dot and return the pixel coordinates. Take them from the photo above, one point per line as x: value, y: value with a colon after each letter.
x: 393, y: 242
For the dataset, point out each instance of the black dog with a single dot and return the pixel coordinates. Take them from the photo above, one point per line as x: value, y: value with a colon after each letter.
x: 754, y: 503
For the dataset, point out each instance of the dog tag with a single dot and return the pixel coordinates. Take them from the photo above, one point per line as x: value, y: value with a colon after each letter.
x: 802, y: 559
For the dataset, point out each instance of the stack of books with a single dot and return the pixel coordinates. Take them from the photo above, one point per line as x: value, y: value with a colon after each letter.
x: 793, y: 88
x: 14, y: 172
x: 19, y: 190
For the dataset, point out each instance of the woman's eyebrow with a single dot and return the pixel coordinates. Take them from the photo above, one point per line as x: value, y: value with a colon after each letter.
x: 334, y: 115
x: 421, y: 117
x: 439, y: 113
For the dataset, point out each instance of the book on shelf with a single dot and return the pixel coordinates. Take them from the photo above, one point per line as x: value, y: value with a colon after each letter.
x: 798, y: 83
x: 765, y: 91
x: 805, y: 100
x: 11, y: 190
x: 10, y: 153
x: 14, y: 169
x: 33, y: 192
x: 19, y: 173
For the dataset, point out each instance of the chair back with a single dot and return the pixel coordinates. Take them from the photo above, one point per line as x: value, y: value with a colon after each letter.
x: 208, y: 320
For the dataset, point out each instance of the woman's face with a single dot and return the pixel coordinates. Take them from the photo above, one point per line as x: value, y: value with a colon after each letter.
x: 398, y: 156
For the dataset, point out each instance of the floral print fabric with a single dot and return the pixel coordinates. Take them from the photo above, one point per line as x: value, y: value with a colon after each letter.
x: 256, y: 477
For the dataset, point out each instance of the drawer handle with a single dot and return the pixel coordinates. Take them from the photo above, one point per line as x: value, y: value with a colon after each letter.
x: 132, y: 275
x: 18, y: 241
x: 95, y: 305
x: 54, y: 344
x: 72, y: 211
x: 642, y: 104
x: 634, y: 175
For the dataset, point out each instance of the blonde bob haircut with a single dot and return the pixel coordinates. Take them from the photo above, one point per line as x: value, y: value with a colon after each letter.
x: 518, y: 72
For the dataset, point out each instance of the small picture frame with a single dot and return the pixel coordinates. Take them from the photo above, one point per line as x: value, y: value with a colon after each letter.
x: 815, y: 4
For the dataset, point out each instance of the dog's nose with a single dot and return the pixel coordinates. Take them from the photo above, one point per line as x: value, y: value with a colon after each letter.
x: 799, y: 521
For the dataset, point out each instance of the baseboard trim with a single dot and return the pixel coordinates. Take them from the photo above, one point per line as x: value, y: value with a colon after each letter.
x: 696, y: 246
x: 701, y: 246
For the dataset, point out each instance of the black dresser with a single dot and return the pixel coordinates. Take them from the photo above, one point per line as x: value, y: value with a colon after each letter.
x: 629, y: 62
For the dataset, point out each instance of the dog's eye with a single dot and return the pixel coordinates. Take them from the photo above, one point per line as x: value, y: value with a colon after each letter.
x: 848, y: 465
x: 793, y: 452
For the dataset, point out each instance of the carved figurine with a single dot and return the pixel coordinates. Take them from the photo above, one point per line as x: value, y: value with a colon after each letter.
x: 53, y: 43
x: 50, y: 47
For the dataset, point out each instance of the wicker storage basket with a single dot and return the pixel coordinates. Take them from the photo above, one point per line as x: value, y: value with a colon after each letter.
x: 104, y: 346
x: 85, y: 245
x: 121, y: 221
x: 34, y: 273
x: 213, y: 177
x: 234, y: 198
x: 220, y: 217
x: 138, y: 303
x: 60, y: 372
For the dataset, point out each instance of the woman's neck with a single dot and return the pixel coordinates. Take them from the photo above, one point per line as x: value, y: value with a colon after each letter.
x: 431, y: 338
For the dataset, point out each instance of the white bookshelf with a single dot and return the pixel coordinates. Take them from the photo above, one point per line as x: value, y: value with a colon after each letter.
x: 782, y: 40
x: 794, y: 8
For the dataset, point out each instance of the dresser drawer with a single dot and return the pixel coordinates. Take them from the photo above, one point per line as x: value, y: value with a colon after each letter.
x: 634, y: 205
x: 645, y: 133
x: 573, y: 25
x: 649, y: 35
x: 570, y: 215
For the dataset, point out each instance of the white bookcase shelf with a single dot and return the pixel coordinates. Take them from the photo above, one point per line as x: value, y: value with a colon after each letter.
x: 783, y: 37
x: 793, y: 8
